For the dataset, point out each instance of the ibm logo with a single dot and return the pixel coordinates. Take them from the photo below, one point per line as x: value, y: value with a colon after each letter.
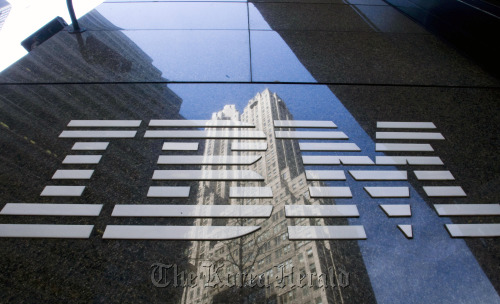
x: 244, y: 138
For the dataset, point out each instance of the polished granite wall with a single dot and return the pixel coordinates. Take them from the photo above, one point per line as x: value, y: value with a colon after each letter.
x: 355, y: 62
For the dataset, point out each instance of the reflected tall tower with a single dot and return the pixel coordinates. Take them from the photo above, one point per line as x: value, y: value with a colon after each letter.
x: 268, y: 252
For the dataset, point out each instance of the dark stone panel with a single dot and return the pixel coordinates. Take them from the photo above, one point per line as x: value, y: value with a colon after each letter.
x: 468, y: 119
x: 472, y: 26
x: 377, y: 58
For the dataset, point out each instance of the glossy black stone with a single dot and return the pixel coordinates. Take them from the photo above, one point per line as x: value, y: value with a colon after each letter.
x: 353, y: 63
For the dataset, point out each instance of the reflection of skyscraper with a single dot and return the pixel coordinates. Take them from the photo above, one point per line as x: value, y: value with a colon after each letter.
x: 268, y: 251
x: 31, y: 120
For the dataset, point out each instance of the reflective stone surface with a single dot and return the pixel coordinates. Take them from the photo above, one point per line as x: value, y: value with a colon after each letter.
x: 251, y: 231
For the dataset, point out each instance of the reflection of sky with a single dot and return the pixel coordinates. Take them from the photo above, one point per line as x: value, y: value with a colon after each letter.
x: 26, y: 17
x: 207, y: 41
x: 431, y: 268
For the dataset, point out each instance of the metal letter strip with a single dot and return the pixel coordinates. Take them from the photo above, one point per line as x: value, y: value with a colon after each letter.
x: 210, y: 134
x: 336, y: 160
x: 304, y: 124
x: 233, y: 211
x: 467, y: 209
x: 407, y: 230
x: 62, y: 191
x: 98, y: 134
x: 180, y: 146
x: 310, y: 135
x: 444, y: 191
x: 410, y: 160
x: 329, y: 147
x: 330, y: 192
x: 404, y: 147
x: 90, y: 146
x: 473, y: 230
x: 82, y: 159
x: 45, y: 231
x: 250, y: 192
x: 199, y: 124
x: 388, y: 191
x: 378, y: 175
x: 207, y: 175
x: 73, y: 174
x: 160, y: 191
x: 245, y: 146
x: 325, y: 175
x: 104, y: 123
x: 405, y: 125
x: 321, y: 211
x: 326, y: 233
x: 409, y: 135
x: 207, y: 160
x: 434, y: 175
x: 136, y: 232
x: 396, y: 210
x: 52, y: 209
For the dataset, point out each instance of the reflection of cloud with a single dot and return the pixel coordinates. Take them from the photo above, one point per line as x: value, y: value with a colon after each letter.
x: 39, y: 13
